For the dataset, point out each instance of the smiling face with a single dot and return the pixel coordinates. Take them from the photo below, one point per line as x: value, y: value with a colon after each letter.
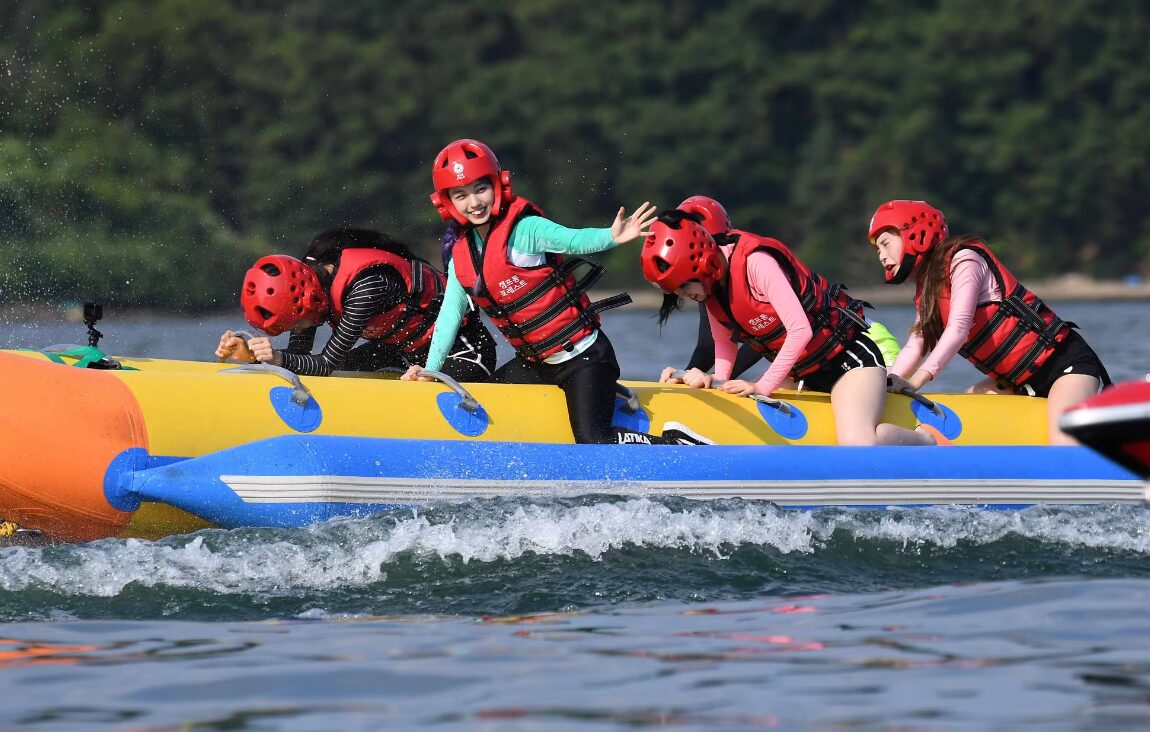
x: 474, y: 200
x: 888, y: 246
x: 692, y: 290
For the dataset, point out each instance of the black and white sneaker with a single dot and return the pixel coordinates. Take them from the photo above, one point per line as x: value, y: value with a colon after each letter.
x: 680, y: 434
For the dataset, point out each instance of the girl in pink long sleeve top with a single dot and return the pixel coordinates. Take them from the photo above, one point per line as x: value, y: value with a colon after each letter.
x: 769, y: 284
x: 967, y: 302
x: 970, y: 284
x: 754, y: 289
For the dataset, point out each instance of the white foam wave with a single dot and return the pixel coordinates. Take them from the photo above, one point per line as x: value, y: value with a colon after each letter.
x: 598, y: 528
x: 357, y: 553
x: 1121, y: 528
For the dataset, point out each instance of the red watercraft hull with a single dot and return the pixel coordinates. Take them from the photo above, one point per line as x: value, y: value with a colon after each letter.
x: 1116, y: 423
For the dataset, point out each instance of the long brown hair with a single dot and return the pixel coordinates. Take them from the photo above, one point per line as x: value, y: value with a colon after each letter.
x: 933, y: 277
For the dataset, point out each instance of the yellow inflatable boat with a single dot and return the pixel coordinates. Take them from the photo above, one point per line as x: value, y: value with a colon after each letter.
x: 101, y: 446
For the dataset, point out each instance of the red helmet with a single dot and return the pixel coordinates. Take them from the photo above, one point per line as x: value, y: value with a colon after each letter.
x: 921, y: 227
x: 280, y: 292
x: 673, y: 256
x: 714, y: 216
x: 463, y: 162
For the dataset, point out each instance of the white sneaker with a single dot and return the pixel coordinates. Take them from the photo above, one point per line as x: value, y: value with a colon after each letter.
x: 680, y: 434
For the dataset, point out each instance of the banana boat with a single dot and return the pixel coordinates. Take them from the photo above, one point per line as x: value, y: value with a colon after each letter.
x: 113, y: 446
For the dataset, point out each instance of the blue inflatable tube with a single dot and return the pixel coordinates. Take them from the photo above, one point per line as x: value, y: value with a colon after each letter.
x: 295, y: 480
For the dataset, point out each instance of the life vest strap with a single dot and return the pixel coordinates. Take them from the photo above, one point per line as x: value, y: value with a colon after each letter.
x: 848, y: 326
x: 557, y: 278
x: 588, y: 317
x: 573, y: 288
x: 804, y: 291
x: 413, y: 308
x: 1029, y: 320
x: 834, y: 300
x: 1002, y: 351
x: 572, y: 293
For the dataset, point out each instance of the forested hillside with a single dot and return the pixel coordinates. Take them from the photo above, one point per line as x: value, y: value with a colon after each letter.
x: 149, y: 151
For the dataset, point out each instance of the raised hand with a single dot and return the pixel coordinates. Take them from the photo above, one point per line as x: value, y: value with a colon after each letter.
x: 638, y: 224
x: 234, y: 347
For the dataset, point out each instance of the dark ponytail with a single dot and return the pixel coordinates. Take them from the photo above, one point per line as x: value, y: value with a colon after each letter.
x: 670, y: 304
x: 325, y: 248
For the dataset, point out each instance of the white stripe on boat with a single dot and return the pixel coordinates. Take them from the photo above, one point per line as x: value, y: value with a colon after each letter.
x: 356, y: 489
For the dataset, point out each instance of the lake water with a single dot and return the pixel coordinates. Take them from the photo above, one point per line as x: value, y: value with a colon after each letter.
x: 592, y: 613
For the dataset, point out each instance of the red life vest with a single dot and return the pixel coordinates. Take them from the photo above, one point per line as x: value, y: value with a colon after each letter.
x: 835, y: 318
x: 540, y: 310
x: 409, y: 323
x: 1009, y: 338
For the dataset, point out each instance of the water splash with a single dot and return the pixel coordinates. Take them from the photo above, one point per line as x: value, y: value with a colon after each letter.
x: 530, y: 555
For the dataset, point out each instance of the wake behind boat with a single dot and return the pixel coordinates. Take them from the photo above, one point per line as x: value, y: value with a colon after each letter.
x: 147, y: 447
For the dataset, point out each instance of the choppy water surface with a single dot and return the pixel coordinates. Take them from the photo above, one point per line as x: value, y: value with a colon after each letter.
x: 595, y: 613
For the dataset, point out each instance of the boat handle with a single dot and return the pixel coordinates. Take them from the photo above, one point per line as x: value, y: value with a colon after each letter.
x: 299, y: 394
x: 909, y: 392
x: 468, y: 402
x: 630, y: 398
x: 782, y: 407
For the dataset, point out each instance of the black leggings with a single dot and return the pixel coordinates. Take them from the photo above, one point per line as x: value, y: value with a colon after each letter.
x: 472, y: 356
x: 588, y: 382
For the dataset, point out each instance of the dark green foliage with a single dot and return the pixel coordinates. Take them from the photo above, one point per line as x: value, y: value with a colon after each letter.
x: 150, y: 151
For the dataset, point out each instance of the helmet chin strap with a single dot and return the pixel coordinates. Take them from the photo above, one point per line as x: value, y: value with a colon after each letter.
x: 905, y: 267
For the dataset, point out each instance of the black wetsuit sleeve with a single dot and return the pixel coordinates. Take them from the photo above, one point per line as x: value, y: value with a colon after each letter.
x: 744, y: 359
x: 375, y: 291
x: 302, y: 341
x: 703, y: 358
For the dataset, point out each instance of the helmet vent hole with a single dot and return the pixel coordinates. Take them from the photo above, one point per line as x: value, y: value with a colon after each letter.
x: 271, y: 269
x: 265, y: 313
x: 662, y: 265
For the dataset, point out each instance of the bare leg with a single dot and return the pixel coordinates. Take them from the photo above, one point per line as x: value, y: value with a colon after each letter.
x: 857, y: 401
x: 1065, y: 392
x: 988, y: 386
x: 892, y: 434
